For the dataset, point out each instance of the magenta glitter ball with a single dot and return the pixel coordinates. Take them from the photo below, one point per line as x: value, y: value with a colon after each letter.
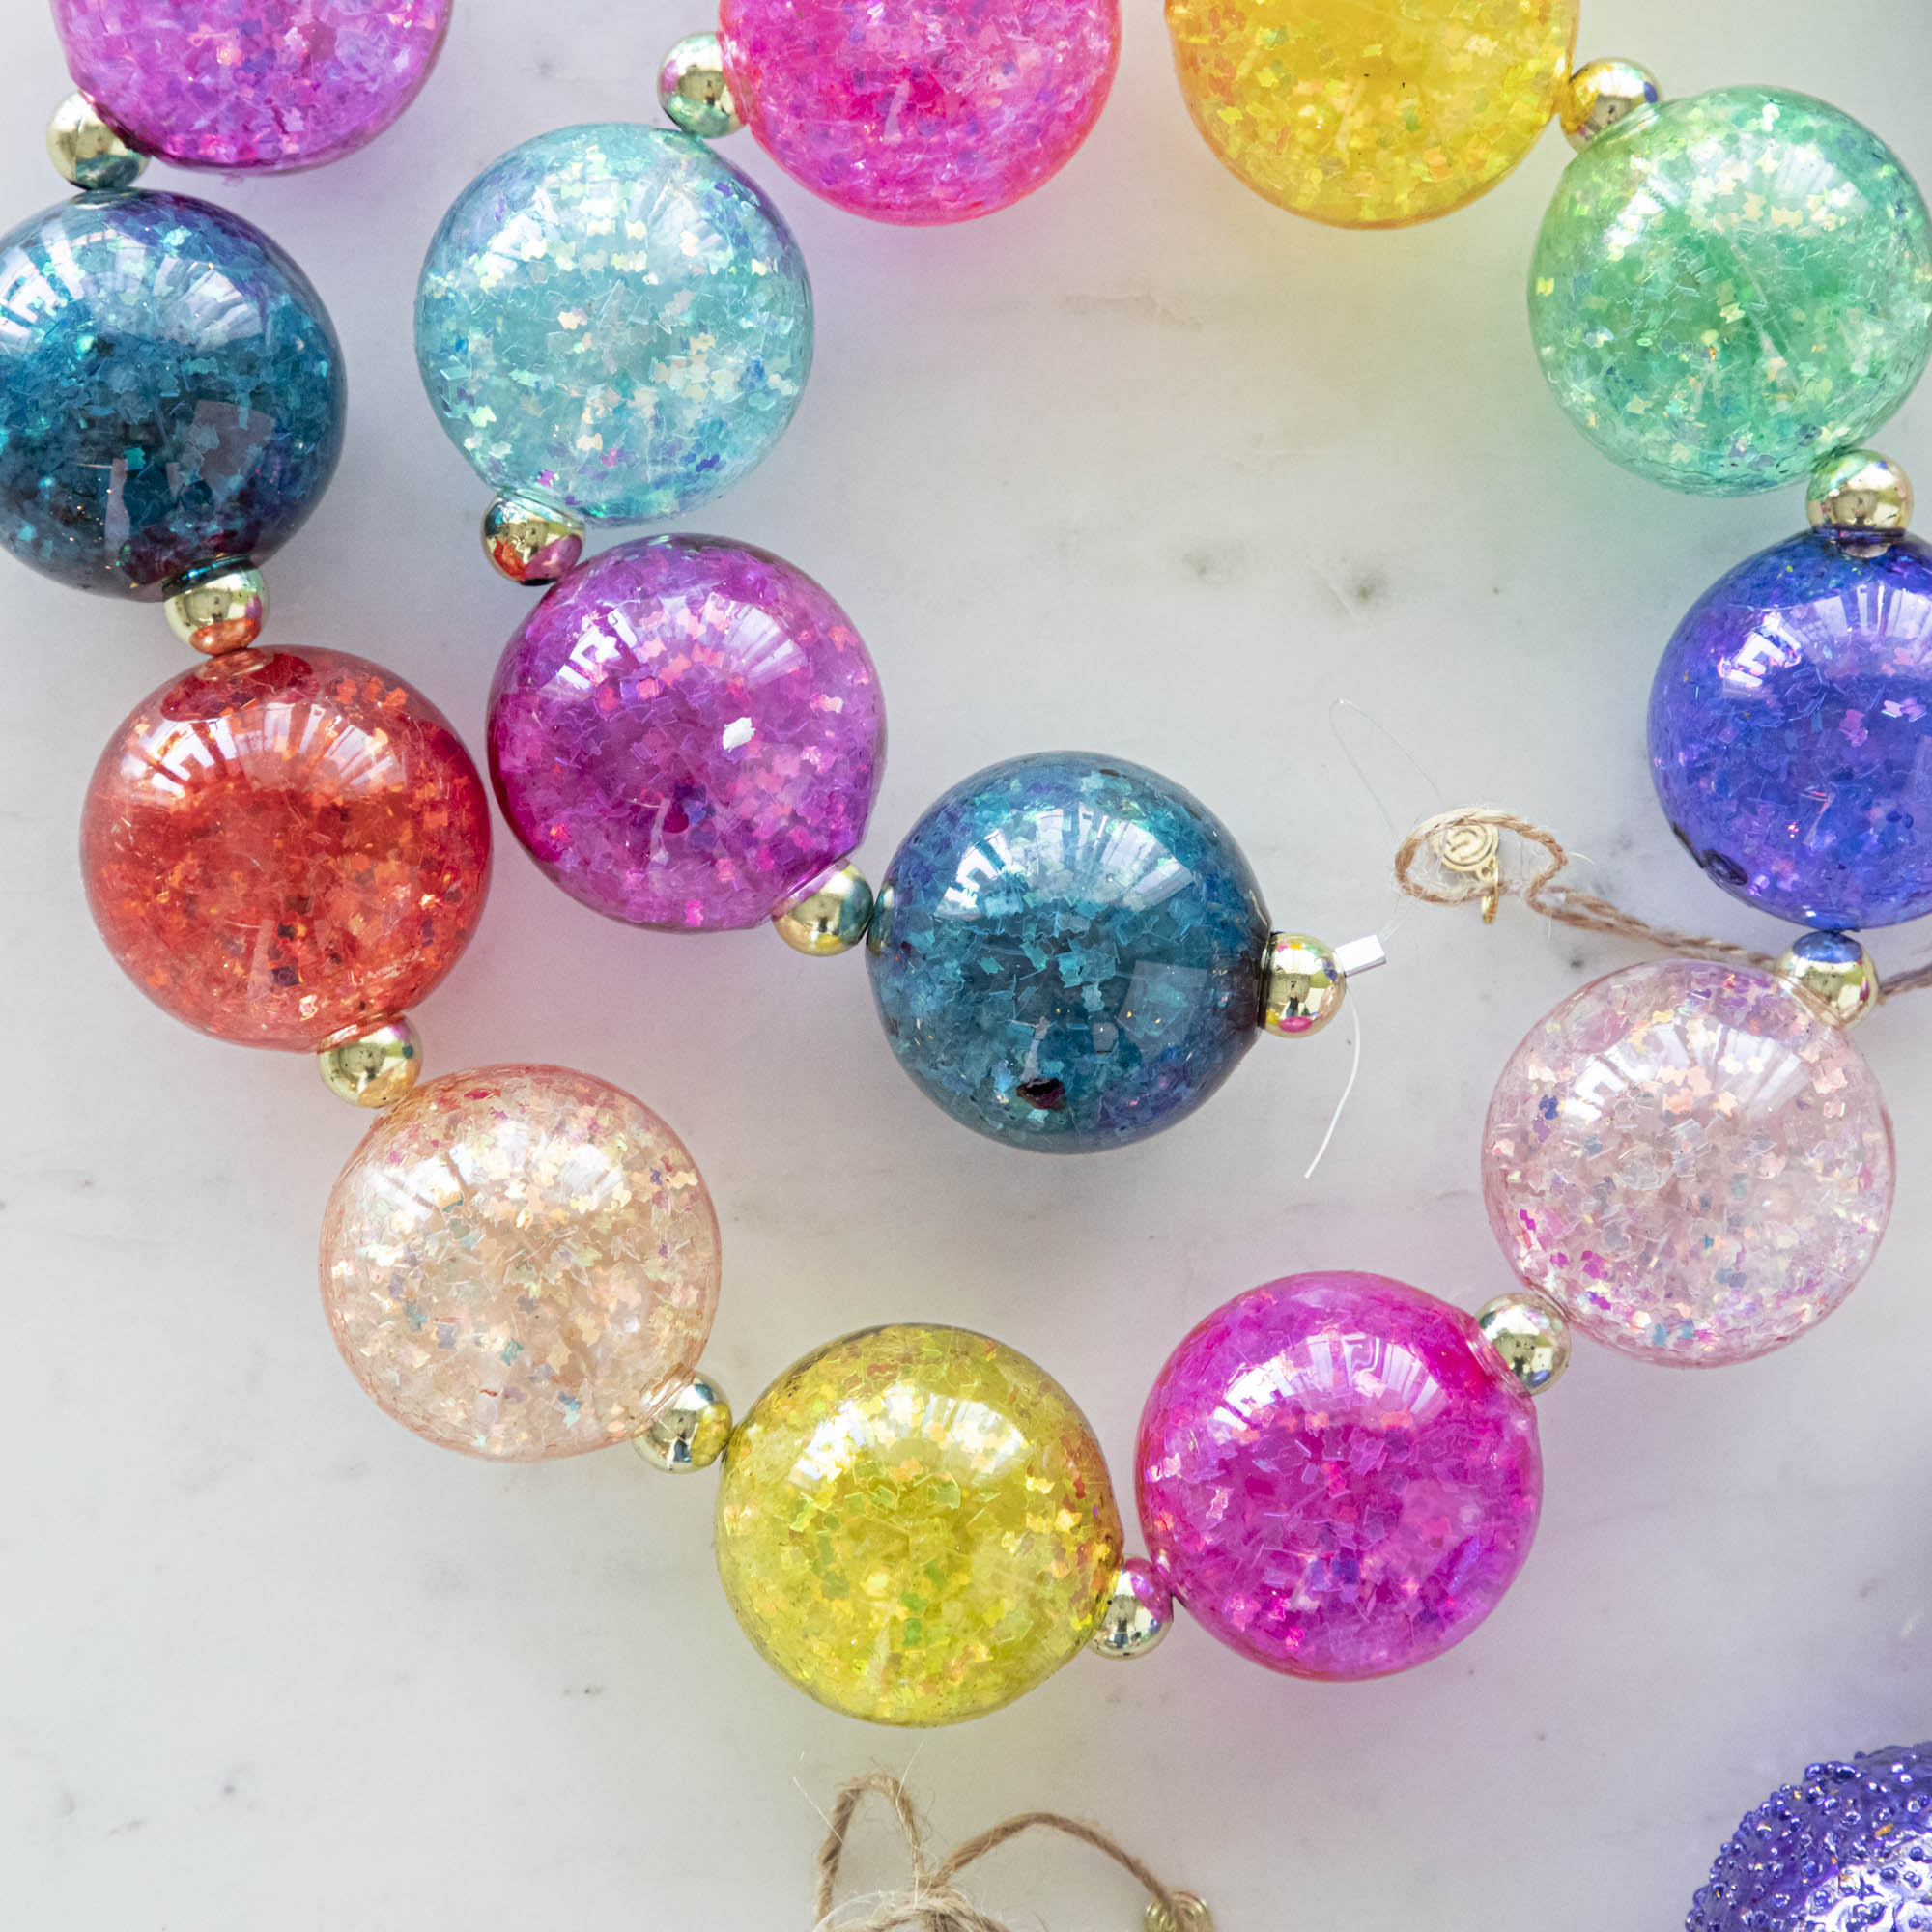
x: 1337, y: 1475
x: 260, y: 85
x: 921, y: 111
x: 685, y: 731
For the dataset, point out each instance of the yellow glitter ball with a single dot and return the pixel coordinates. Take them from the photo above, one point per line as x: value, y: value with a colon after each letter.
x: 916, y: 1525
x: 1372, y: 113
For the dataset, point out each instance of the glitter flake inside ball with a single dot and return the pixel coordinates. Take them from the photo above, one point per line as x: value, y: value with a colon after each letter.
x: 279, y: 845
x: 613, y: 319
x: 520, y: 1263
x: 1691, y: 1160
x: 920, y: 110
x: 685, y: 731
x: 1337, y: 1477
x: 1791, y: 732
x: 262, y: 85
x: 1068, y: 953
x: 916, y: 1525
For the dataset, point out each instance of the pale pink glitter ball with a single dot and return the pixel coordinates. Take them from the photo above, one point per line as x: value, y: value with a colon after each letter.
x: 1691, y: 1160
x: 921, y: 111
x: 262, y: 85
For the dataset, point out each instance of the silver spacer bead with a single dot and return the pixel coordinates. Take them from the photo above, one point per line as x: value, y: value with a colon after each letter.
x: 1859, y: 494
x: 375, y: 1066
x: 1190, y: 1914
x: 1528, y: 1331
x: 829, y: 916
x: 693, y: 91
x: 1834, y: 971
x: 1138, y: 1613
x: 1600, y: 94
x: 219, y: 608
x: 87, y: 151
x: 1304, y: 982
x: 690, y: 1431
x: 529, y: 541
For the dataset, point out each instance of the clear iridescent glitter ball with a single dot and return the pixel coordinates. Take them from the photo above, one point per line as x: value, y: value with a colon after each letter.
x: 1847, y: 1849
x: 1691, y: 1160
x: 613, y: 319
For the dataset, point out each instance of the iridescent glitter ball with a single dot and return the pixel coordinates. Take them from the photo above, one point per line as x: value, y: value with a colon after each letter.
x: 1791, y: 732
x: 1729, y: 287
x: 1338, y: 1476
x: 916, y: 1525
x: 171, y: 391
x: 1068, y: 953
x: 1849, y: 1849
x: 615, y: 320
x: 241, y: 84
x: 685, y: 731
x: 1691, y: 1160
x: 520, y: 1263
x: 920, y: 110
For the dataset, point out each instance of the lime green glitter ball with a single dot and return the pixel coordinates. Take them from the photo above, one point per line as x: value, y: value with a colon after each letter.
x: 1729, y: 287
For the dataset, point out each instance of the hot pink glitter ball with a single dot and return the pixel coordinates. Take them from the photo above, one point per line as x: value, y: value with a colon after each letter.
x: 920, y: 110
x: 1337, y: 1475
x: 262, y: 85
x: 1691, y: 1160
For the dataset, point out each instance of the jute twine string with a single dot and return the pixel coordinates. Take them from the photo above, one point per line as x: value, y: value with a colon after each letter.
x: 932, y: 1900
x: 1462, y: 855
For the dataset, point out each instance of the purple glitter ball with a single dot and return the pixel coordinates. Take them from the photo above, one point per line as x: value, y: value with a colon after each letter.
x: 685, y: 731
x: 1848, y: 1850
x: 1791, y: 732
x: 243, y: 84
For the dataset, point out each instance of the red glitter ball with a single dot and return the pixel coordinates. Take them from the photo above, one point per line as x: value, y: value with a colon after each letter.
x: 279, y: 845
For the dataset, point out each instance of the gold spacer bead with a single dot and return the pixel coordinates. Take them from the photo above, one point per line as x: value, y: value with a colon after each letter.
x: 1528, y: 1331
x: 1302, y: 985
x: 529, y: 541
x: 218, y: 608
x: 690, y: 1431
x: 374, y: 1067
x: 1190, y: 1914
x: 1835, y: 974
x: 693, y: 91
x: 88, y: 152
x: 1860, y: 492
x: 1600, y: 94
x: 829, y: 916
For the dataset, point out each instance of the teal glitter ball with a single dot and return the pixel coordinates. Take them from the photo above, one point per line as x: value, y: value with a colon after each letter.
x: 1729, y: 287
x: 614, y: 319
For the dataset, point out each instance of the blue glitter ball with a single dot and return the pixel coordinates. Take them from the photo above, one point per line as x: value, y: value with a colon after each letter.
x: 1068, y: 953
x: 171, y: 391
x: 1791, y: 732
x: 1848, y: 1850
x: 614, y: 319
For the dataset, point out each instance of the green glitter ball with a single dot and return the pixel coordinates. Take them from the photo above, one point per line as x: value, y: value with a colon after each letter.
x: 1729, y: 287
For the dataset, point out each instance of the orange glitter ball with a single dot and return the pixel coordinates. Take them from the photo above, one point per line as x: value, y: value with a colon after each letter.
x: 279, y: 845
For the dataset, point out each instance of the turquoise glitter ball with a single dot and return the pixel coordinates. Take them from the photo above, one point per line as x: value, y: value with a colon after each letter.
x: 614, y: 319
x: 1729, y: 287
x: 1068, y: 950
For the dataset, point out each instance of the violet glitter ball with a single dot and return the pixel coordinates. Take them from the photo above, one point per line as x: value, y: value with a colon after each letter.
x: 1791, y: 732
x: 1847, y: 1849
x: 685, y: 731
x: 1337, y: 1475
x: 245, y: 84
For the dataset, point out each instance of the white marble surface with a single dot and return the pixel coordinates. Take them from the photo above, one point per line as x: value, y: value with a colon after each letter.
x: 1145, y: 465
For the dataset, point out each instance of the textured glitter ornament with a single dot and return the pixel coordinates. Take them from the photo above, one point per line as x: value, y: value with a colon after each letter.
x: 1371, y: 114
x: 1791, y: 732
x: 171, y: 391
x: 1691, y: 1160
x: 520, y: 1263
x: 916, y: 1525
x: 1337, y: 1476
x: 685, y: 731
x: 242, y: 84
x: 1849, y: 1849
x: 920, y: 110
x: 1729, y: 287
x: 1068, y: 953
x: 615, y: 319
x: 279, y: 845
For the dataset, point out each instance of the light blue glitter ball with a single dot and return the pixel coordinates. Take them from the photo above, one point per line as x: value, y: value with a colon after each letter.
x: 614, y: 319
